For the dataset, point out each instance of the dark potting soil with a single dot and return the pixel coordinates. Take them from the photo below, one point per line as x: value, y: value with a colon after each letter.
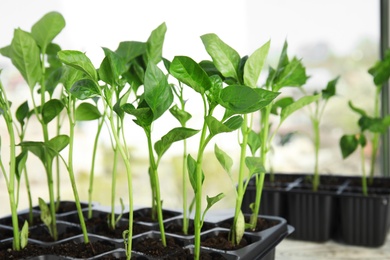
x: 173, y: 251
x: 71, y: 249
x: 176, y: 227
x: 99, y: 226
x: 41, y: 233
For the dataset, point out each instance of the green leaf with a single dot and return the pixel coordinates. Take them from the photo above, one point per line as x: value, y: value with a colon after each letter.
x: 58, y: 143
x: 70, y: 75
x: 238, y: 98
x: 22, y: 113
x: 186, y: 70
x: 254, y: 165
x: 84, y: 89
x: 181, y: 115
x: 211, y: 201
x: 381, y: 70
x: 53, y: 79
x: 154, y: 45
x: 112, y: 67
x: 6, y: 51
x: 87, y: 111
x: 174, y: 135
x: 45, y: 215
x: 224, y: 159
x: 191, y: 167
x: 293, y: 75
x: 20, y: 164
x: 225, y: 58
x: 303, y: 101
x: 158, y: 93
x: 243, y: 99
x: 217, y: 127
x: 26, y: 57
x: 239, y: 228
x: 144, y: 115
x: 80, y: 61
x: 374, y: 125
x: 51, y: 109
x: 330, y: 89
x: 47, y: 28
x: 122, y: 101
x: 357, y: 110
x: 281, y: 103
x: 24, y: 235
x: 129, y: 50
x: 348, y: 144
x: 254, y: 141
x: 254, y: 65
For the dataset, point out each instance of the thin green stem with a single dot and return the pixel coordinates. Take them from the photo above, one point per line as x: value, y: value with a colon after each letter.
x: 92, y: 171
x: 12, y: 176
x: 376, y: 136
x: 72, y: 123
x: 241, y: 175
x: 113, y: 184
x: 316, y: 130
x: 126, y: 161
x: 263, y: 155
x: 364, y: 179
x: 156, y: 187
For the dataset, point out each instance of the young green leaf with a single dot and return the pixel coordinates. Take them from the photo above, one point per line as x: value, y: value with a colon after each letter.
x: 129, y: 50
x: 26, y: 57
x: 281, y: 103
x: 180, y: 115
x: 217, y: 127
x: 330, y: 89
x: 225, y: 58
x: 47, y: 28
x: 80, y: 61
x: 144, y: 115
x: 254, y: 165
x: 45, y: 214
x: 374, y: 125
x: 86, y: 111
x: 24, y: 235
x: 191, y: 166
x: 111, y: 67
x: 293, y: 75
x: 174, y: 135
x: 154, y: 45
x: 58, y: 143
x: 238, y: 98
x: 239, y: 228
x: 158, y: 93
x: 381, y: 70
x: 356, y: 109
x: 224, y: 159
x: 254, y: 141
x: 51, y: 109
x: 348, y: 144
x: 211, y: 201
x: 20, y: 163
x: 303, y: 101
x: 254, y: 65
x: 190, y: 73
x: 84, y: 89
x: 22, y: 113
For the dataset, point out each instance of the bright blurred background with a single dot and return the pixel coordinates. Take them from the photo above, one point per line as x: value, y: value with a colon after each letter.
x: 333, y: 38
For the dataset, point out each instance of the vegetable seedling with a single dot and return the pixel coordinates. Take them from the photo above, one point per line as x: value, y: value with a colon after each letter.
x: 371, y: 127
x: 315, y: 117
x: 16, y: 164
x: 30, y: 52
